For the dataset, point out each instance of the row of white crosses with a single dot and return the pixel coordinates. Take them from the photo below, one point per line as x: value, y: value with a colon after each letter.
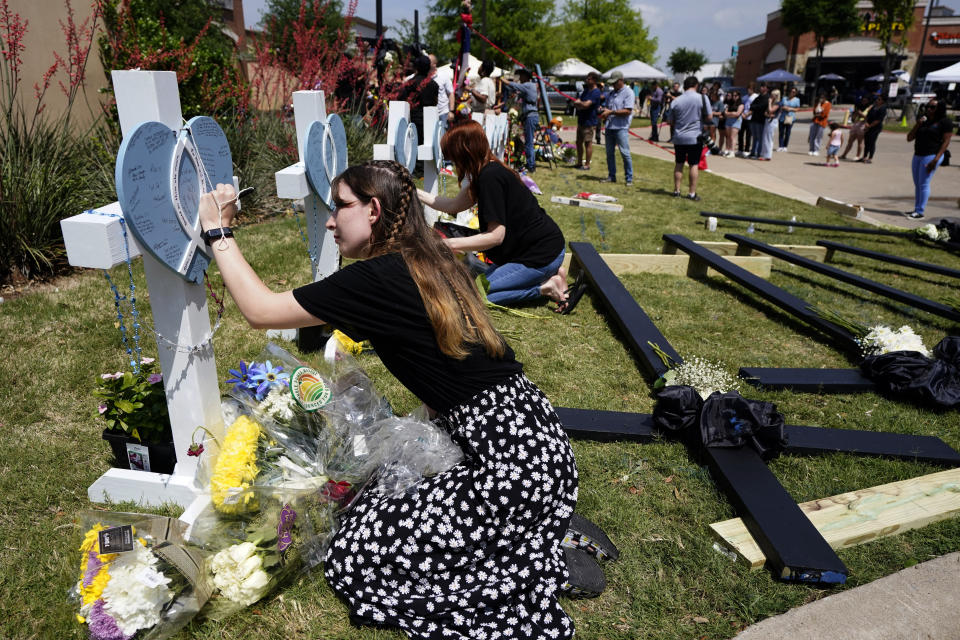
x: 178, y: 300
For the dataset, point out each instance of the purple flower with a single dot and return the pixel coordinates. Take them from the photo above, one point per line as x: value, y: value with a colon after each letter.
x: 112, y: 376
x: 102, y: 409
x: 242, y: 379
x: 103, y: 626
x: 266, y: 377
x: 93, y: 568
x: 154, y: 378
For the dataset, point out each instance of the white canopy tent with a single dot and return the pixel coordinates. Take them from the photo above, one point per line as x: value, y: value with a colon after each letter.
x: 571, y: 67
x: 474, y: 67
x: 948, y: 74
x: 636, y: 70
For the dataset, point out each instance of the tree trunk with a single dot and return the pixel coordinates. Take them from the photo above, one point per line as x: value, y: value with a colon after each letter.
x: 821, y: 43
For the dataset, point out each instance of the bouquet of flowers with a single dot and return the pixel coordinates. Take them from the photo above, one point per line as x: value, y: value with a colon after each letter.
x: 136, y: 577
x: 705, y: 376
x: 252, y: 554
x: 931, y: 232
x: 877, y: 339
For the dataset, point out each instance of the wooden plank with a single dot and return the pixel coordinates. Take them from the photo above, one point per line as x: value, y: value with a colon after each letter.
x: 772, y: 293
x: 807, y: 225
x: 805, y: 440
x: 726, y: 249
x: 794, y: 548
x: 844, y: 209
x: 864, y: 515
x: 808, y: 380
x: 886, y: 257
x: 587, y: 423
x: 589, y: 204
x: 673, y: 265
x: 899, y: 295
x: 637, y: 327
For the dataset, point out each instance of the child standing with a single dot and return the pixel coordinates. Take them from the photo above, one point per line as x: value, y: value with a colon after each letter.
x: 833, y: 148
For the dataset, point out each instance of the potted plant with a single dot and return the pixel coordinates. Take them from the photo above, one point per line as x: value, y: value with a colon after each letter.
x: 134, y: 406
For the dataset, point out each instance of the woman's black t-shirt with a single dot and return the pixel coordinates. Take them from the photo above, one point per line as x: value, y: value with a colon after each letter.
x: 532, y: 238
x: 378, y: 300
x: 930, y: 136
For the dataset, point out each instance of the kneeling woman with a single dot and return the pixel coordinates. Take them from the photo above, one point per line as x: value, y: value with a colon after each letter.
x: 524, y: 243
x: 472, y: 552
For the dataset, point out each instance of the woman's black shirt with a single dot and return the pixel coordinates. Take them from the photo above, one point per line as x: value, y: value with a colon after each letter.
x: 378, y: 300
x: 532, y: 238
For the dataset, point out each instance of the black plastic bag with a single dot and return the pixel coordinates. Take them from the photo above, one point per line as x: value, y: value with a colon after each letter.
x: 928, y: 381
x: 677, y: 409
x: 730, y: 420
x: 723, y: 420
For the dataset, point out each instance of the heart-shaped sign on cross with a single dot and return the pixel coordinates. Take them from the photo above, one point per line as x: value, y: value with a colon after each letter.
x: 325, y: 155
x: 160, y: 176
x: 405, y: 144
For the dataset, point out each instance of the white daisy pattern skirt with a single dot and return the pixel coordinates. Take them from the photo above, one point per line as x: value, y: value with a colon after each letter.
x: 473, y: 552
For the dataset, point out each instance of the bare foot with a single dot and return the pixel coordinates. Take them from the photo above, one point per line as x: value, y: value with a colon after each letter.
x: 555, y: 287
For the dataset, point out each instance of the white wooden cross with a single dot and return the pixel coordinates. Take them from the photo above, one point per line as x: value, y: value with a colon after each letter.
x: 308, y: 107
x: 179, y: 312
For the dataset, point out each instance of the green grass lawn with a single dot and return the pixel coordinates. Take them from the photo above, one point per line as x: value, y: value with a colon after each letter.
x: 654, y: 500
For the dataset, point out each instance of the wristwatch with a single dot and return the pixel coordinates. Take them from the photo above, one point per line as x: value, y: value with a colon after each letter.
x: 212, y: 235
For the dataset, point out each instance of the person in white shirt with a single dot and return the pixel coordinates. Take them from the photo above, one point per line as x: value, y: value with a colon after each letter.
x: 445, y: 95
x: 483, y: 93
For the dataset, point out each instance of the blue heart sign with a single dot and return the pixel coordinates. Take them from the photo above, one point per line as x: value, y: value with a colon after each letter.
x: 405, y: 144
x: 325, y: 155
x: 160, y: 176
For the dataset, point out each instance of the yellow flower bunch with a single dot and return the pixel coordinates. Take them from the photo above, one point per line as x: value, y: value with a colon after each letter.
x: 236, y: 468
x: 90, y: 593
x: 350, y: 345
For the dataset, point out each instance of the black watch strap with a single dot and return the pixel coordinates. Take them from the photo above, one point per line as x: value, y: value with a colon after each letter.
x: 212, y: 235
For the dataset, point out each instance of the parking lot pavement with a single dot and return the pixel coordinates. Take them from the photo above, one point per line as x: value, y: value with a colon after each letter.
x: 884, y: 188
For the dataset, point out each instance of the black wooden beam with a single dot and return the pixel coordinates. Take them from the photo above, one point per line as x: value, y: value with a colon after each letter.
x: 770, y: 292
x: 795, y: 550
x: 808, y: 380
x: 817, y: 440
x: 586, y: 423
x: 899, y: 295
x: 636, y: 325
x: 886, y: 257
x: 806, y: 225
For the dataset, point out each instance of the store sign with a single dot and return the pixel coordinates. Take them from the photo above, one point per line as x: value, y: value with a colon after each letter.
x: 945, y: 39
x: 874, y: 27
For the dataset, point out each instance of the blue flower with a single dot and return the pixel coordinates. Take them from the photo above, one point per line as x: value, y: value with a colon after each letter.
x: 268, y: 376
x: 242, y: 380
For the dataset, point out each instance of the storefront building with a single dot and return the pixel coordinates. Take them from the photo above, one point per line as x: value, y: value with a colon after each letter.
x: 855, y: 58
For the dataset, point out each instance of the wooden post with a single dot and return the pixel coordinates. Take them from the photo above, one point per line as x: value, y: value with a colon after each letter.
x: 309, y: 107
x: 179, y: 308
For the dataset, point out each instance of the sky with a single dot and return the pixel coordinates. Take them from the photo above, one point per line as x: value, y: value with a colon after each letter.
x: 677, y: 23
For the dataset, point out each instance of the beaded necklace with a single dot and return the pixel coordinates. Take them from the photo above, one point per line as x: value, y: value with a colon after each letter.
x: 313, y: 255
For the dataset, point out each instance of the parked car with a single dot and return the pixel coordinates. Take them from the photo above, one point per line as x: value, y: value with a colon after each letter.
x: 559, y: 104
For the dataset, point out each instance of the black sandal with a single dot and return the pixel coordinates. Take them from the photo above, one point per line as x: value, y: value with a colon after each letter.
x: 585, y: 578
x: 574, y: 292
x: 585, y: 536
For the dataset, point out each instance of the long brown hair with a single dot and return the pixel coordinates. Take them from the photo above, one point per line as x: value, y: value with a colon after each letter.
x: 457, y: 314
x: 466, y: 146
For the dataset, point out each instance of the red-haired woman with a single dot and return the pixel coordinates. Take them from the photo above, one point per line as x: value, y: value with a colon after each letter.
x: 524, y: 243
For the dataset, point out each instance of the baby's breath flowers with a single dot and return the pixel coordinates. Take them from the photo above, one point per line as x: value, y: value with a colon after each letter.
x: 703, y: 375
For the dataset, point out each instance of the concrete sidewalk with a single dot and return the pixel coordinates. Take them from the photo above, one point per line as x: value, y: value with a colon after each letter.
x: 884, y: 188
x: 920, y: 602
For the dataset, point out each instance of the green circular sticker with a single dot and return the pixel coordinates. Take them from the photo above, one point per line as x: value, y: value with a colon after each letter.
x: 309, y: 389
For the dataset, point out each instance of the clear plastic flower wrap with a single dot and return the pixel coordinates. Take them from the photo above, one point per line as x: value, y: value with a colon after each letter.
x: 251, y: 554
x: 137, y: 578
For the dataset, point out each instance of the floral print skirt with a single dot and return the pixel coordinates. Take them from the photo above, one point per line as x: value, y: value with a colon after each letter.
x: 473, y: 552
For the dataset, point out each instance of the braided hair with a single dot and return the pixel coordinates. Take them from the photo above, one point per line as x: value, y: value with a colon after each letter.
x: 456, y: 312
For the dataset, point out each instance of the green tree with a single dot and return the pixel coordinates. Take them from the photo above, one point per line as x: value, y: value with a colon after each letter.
x: 184, y: 36
x: 686, y: 61
x: 523, y: 28
x: 826, y: 19
x: 606, y: 33
x: 280, y: 16
x: 894, y: 19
